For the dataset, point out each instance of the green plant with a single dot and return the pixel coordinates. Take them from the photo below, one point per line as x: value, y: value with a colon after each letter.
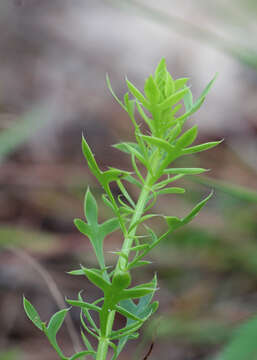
x: 151, y: 156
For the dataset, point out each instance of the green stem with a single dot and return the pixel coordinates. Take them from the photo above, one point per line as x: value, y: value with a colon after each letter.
x: 139, y: 210
x: 104, y: 341
x: 107, y: 315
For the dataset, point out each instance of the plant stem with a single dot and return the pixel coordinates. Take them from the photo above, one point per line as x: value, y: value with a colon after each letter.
x: 107, y: 316
x: 137, y: 215
x: 103, y: 344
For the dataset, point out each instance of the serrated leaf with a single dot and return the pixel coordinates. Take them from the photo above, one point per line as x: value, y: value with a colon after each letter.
x: 187, y: 138
x: 32, y: 313
x: 199, y: 148
x: 151, y: 90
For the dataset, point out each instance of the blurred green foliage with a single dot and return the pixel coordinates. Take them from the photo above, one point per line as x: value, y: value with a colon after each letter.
x: 11, y: 355
x: 21, y: 131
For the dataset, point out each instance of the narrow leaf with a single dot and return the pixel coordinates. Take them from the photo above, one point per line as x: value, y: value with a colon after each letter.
x: 144, y: 116
x: 109, y: 226
x: 97, y: 279
x: 127, y: 313
x: 151, y: 90
x: 90, y: 208
x: 138, y: 95
x: 113, y: 93
x: 162, y: 144
x: 191, y: 109
x: 173, y: 222
x: 169, y: 85
x: 87, y: 342
x: 196, y: 209
x: 139, y: 263
x: 187, y: 138
x: 134, y: 181
x: 185, y: 171
x: 139, y: 247
x: 208, y: 87
x: 56, y: 322
x: 76, y: 272
x: 173, y: 99
x: 32, y: 313
x: 174, y: 132
x: 160, y: 75
x: 131, y: 148
x: 198, y: 148
x: 83, y: 304
x: 188, y: 100
x: 171, y: 190
x: 125, y: 146
x: 180, y: 83
x: 127, y: 330
x: 90, y: 158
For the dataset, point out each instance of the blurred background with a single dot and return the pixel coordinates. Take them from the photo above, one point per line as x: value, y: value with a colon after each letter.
x: 54, y: 58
